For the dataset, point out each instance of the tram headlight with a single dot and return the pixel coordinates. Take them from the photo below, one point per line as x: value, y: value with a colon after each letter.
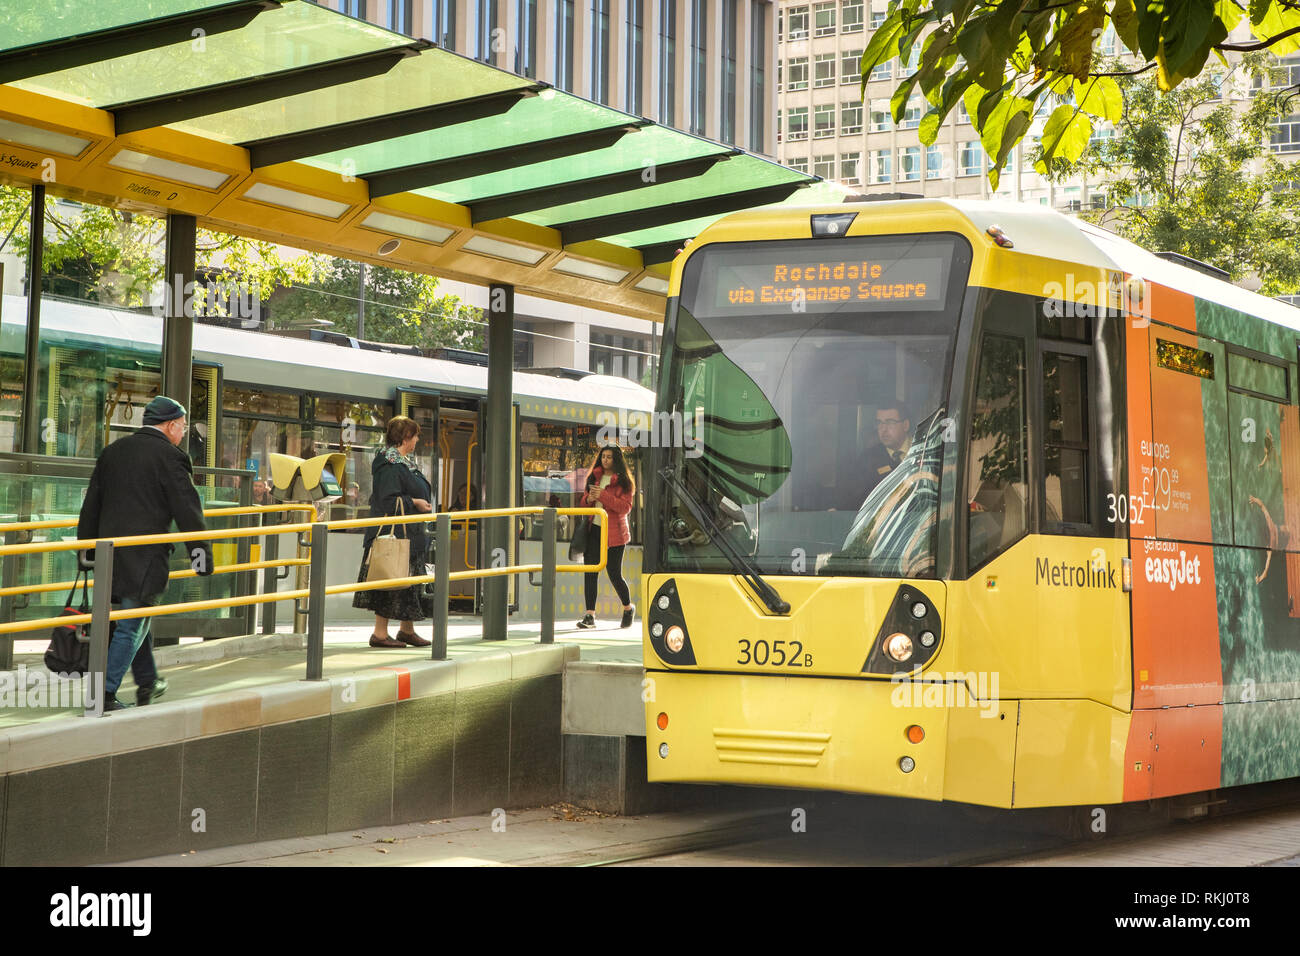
x: 899, y: 647
x: 663, y: 751
x: 674, y: 639
x: 905, y: 764
x: 919, y: 610
x: 657, y: 629
x: 927, y: 638
x: 663, y: 602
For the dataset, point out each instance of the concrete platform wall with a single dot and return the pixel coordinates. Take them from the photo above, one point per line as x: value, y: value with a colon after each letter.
x: 384, y: 746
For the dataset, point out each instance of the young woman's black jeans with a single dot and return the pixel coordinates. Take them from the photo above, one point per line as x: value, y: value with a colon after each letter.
x: 613, y: 566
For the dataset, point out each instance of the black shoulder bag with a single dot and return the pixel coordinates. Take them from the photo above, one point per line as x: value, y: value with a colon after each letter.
x: 69, y: 650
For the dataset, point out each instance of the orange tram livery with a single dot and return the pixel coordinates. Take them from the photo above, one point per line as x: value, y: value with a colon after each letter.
x: 1009, y: 516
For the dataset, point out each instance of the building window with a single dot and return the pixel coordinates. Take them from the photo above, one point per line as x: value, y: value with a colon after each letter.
x: 797, y: 74
x: 1285, y: 136
x: 699, y: 71
x: 849, y: 163
x: 878, y: 12
x: 729, y: 54
x: 850, y: 66
x: 780, y: 130
x: 442, y: 18
x: 909, y: 164
x: 970, y: 161
x: 851, y: 118
x: 600, y: 50
x: 824, y: 121
x: 881, y: 121
x: 758, y: 81
x: 934, y: 162
x: 912, y: 117
x: 881, y: 71
x: 799, y: 165
x: 881, y: 168
x: 797, y: 123
x: 851, y: 16
x: 621, y: 355
x: 487, y: 25
x: 824, y: 69
x: 353, y: 8
x: 824, y: 166
x: 635, y: 55
x: 526, y: 49
x: 824, y: 19
x: 401, y: 15
x: 963, y: 116
x: 564, y: 45
x: 668, y: 62
x: 798, y: 24
x: 913, y: 61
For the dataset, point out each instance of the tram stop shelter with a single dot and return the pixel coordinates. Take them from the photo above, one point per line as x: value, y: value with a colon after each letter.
x: 284, y: 121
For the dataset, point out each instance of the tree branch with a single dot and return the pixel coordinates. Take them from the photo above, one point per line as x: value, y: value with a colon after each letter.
x: 1261, y: 45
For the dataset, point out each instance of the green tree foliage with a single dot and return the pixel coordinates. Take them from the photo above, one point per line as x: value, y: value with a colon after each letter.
x: 115, y: 256
x: 1006, y: 58
x: 1188, y: 172
x: 402, y: 308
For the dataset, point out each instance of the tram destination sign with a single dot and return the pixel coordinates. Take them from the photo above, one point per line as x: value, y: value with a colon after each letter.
x: 859, y: 284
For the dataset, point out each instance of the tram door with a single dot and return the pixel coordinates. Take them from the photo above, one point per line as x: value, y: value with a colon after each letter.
x: 450, y: 453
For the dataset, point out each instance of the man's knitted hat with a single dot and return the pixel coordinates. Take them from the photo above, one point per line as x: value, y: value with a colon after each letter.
x: 163, y: 409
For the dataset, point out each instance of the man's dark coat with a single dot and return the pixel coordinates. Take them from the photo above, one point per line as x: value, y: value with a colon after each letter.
x: 140, y: 485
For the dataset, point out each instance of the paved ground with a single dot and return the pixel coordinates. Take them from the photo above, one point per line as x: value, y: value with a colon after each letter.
x: 756, y: 828
x: 346, y: 652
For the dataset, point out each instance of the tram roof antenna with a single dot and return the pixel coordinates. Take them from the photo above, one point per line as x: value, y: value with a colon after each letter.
x: 1197, y: 264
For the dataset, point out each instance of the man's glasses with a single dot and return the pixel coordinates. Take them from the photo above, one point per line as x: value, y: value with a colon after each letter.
x: 891, y: 422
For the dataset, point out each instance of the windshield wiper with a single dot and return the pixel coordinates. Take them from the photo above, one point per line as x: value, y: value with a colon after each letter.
x: 740, y: 562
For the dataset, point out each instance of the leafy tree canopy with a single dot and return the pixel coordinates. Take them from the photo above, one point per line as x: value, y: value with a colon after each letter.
x: 1188, y: 172
x: 402, y: 308
x: 1006, y: 58
x: 116, y: 256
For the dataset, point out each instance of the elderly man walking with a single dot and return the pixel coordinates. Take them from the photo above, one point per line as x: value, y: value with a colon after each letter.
x: 140, y: 485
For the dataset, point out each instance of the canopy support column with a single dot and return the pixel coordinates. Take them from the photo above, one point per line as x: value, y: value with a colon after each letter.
x: 499, y: 437
x: 31, y: 435
x: 178, y: 328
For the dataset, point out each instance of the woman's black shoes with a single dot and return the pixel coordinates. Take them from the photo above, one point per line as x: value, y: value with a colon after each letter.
x: 628, y: 614
x: 588, y: 620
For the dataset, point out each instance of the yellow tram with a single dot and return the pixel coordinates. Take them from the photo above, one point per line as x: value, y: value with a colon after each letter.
x: 970, y: 501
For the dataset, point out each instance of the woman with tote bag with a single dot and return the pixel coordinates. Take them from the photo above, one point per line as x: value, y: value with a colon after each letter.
x: 398, y: 488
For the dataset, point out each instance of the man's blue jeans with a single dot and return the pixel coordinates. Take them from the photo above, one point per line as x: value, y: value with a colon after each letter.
x: 127, y: 638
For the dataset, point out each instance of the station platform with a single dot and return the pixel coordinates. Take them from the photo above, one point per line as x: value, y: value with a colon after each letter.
x: 243, y: 748
x: 196, y: 668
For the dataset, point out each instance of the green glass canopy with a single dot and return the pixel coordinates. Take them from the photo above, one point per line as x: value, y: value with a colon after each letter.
x: 292, y: 82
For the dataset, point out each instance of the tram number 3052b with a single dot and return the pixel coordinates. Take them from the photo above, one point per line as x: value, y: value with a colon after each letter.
x: 775, y: 653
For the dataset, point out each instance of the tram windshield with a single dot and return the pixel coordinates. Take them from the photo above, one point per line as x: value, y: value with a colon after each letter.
x: 809, y: 377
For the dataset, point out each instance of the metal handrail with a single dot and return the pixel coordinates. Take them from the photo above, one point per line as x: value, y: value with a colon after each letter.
x: 102, y: 613
x: 172, y: 576
x: 218, y: 512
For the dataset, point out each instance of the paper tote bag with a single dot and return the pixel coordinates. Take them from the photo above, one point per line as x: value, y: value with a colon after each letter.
x: 390, y: 556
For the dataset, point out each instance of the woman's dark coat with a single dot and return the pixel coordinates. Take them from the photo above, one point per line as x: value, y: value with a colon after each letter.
x: 393, y: 481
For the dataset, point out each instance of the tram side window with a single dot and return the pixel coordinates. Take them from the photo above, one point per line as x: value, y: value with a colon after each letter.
x: 1065, y: 438
x: 998, y: 475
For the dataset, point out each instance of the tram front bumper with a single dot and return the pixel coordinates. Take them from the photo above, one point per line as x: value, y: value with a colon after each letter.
x: 861, y: 735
